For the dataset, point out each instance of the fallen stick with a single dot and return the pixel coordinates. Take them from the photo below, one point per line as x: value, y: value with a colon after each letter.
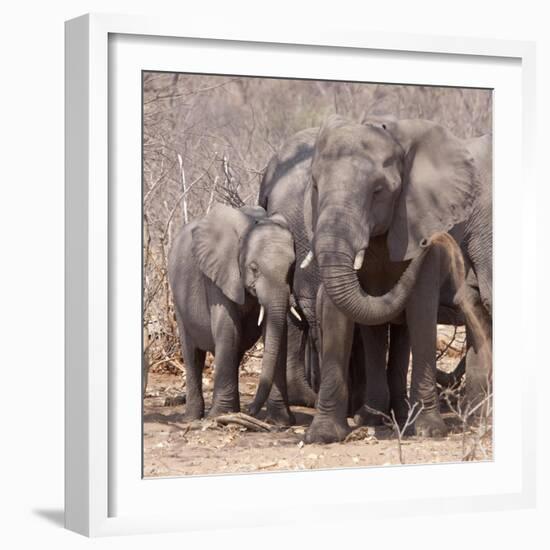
x: 245, y: 420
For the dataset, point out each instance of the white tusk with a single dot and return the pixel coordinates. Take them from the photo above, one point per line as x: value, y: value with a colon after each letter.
x: 307, y: 260
x: 295, y: 313
x: 261, y: 316
x: 358, y: 263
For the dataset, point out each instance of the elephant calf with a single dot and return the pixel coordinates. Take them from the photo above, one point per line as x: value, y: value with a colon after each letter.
x: 227, y: 271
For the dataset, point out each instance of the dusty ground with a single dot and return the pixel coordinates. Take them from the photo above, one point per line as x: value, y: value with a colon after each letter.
x: 173, y: 447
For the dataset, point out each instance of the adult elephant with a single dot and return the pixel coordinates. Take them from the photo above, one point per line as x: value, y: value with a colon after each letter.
x: 282, y: 190
x: 377, y: 196
x: 225, y: 271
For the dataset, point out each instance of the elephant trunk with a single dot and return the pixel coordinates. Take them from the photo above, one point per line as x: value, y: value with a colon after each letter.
x: 336, y: 259
x: 274, y: 337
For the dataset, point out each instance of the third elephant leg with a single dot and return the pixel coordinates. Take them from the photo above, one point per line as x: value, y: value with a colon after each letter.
x: 299, y: 391
x: 398, y: 368
x: 421, y: 314
x: 330, y: 423
x: 376, y: 397
x: 278, y: 411
x: 478, y: 372
x: 194, y: 364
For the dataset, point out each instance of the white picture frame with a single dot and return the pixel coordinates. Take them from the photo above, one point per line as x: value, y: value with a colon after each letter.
x: 104, y: 494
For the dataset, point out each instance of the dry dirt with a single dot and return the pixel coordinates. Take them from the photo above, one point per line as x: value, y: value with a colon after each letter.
x: 174, y: 448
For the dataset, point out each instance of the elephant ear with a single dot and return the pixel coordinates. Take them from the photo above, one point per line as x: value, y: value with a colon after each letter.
x: 215, y: 246
x: 438, y: 186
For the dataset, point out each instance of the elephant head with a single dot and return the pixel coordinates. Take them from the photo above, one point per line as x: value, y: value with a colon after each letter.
x: 407, y: 180
x: 246, y: 252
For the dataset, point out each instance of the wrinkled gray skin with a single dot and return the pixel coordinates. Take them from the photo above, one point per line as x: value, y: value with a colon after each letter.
x: 477, y: 247
x: 221, y: 269
x: 387, y: 191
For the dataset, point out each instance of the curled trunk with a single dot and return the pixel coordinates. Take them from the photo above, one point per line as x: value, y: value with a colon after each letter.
x: 342, y: 285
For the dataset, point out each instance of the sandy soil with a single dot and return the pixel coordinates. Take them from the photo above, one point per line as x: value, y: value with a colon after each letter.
x: 173, y: 447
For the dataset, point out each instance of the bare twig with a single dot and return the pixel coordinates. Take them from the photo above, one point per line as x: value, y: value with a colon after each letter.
x: 182, y: 172
x: 211, y: 199
x: 464, y: 414
x: 245, y: 420
x: 400, y: 431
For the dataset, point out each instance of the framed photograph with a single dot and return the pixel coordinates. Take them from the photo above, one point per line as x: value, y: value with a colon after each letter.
x: 279, y: 253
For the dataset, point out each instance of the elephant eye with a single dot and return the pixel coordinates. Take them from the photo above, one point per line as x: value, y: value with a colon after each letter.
x: 254, y: 267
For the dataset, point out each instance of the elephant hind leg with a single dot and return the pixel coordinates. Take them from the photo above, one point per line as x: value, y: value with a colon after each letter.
x: 299, y: 391
x: 478, y: 376
x: 376, y: 397
x: 398, y: 367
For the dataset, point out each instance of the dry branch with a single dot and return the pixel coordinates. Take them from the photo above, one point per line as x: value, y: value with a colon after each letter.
x: 246, y: 421
x: 400, y: 431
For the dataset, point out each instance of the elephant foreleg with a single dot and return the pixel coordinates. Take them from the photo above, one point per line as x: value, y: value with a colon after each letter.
x: 421, y: 314
x: 226, y: 329
x: 330, y: 423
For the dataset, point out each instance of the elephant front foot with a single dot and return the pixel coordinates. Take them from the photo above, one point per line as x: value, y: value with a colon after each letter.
x: 301, y: 395
x: 367, y: 417
x: 224, y: 407
x: 279, y: 415
x: 327, y: 429
x: 193, y: 412
x: 430, y: 424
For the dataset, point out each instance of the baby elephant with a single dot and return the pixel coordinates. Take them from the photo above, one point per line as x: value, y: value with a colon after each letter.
x: 227, y: 271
